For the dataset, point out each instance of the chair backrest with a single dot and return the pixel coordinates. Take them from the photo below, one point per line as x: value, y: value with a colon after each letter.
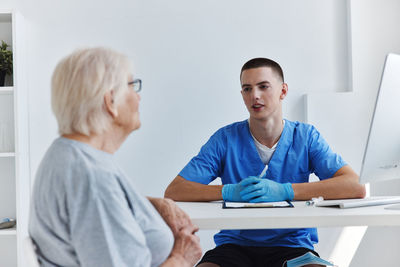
x: 30, y: 253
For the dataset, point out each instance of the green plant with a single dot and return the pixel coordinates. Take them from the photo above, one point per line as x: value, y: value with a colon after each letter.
x: 6, y: 58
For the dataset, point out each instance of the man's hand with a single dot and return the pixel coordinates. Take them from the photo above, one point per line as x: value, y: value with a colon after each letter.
x: 265, y: 190
x: 231, y: 192
x: 176, y: 218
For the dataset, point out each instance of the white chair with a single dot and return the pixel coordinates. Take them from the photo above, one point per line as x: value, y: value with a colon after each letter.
x: 30, y: 253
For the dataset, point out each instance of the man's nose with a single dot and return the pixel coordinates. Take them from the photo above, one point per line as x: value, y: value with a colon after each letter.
x: 256, y: 93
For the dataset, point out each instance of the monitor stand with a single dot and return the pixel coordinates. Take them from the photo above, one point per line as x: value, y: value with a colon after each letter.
x: 393, y: 207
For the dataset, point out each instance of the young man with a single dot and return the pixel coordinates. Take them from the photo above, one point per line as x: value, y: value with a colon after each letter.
x: 239, y: 152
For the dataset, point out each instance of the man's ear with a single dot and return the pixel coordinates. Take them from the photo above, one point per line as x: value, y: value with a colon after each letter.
x: 284, y: 91
x: 109, y: 104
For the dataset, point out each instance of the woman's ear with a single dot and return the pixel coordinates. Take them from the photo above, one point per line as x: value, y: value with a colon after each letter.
x: 109, y: 103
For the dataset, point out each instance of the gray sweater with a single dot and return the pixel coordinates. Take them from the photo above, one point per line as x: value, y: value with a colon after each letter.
x: 85, y: 212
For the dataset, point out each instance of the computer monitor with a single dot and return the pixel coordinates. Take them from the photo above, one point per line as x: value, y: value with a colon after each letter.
x: 381, y: 159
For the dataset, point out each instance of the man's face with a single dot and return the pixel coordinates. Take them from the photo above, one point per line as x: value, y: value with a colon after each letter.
x: 262, y: 92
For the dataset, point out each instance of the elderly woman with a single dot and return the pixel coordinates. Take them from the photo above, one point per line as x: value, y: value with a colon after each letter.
x: 84, y: 210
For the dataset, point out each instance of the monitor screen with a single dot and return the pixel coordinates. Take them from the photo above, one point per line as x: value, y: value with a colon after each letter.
x: 382, y: 152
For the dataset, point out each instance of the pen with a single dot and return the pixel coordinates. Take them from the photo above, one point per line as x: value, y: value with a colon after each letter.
x: 262, y: 174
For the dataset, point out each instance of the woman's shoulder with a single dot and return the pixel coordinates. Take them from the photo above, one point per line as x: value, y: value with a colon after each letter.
x: 67, y: 161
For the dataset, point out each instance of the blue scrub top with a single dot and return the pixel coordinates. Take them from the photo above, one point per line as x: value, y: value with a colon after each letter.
x: 232, y: 155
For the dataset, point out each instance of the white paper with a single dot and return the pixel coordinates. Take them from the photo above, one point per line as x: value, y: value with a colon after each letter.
x: 256, y: 205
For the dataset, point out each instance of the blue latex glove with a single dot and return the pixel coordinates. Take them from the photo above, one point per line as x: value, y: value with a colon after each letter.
x: 265, y: 190
x: 231, y: 192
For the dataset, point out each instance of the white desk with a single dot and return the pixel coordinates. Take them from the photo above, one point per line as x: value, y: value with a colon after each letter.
x: 210, y: 215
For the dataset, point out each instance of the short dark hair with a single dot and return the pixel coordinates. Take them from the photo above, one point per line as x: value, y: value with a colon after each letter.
x: 263, y: 62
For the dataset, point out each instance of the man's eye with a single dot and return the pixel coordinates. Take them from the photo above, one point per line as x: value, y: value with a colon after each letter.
x: 246, y: 89
x: 263, y: 86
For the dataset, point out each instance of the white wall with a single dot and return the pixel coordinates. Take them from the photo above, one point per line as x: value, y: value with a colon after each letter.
x: 189, y: 54
x: 344, y: 121
x: 372, y: 40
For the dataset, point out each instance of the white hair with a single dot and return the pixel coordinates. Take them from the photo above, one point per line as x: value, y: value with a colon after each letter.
x: 78, y: 85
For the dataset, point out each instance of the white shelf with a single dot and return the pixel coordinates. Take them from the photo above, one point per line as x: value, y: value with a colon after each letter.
x: 7, y: 154
x: 15, y: 165
x: 5, y: 14
x: 6, y: 89
x: 9, y: 231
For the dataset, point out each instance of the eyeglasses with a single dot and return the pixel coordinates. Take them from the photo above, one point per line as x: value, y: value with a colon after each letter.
x: 137, y: 85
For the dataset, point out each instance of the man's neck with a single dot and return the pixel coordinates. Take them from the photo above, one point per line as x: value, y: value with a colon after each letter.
x: 268, y: 131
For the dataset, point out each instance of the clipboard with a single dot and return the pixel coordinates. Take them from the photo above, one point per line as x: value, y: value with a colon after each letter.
x: 246, y: 205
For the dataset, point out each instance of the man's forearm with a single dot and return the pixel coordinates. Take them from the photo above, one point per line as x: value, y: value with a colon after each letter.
x: 344, y: 184
x: 181, y: 189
